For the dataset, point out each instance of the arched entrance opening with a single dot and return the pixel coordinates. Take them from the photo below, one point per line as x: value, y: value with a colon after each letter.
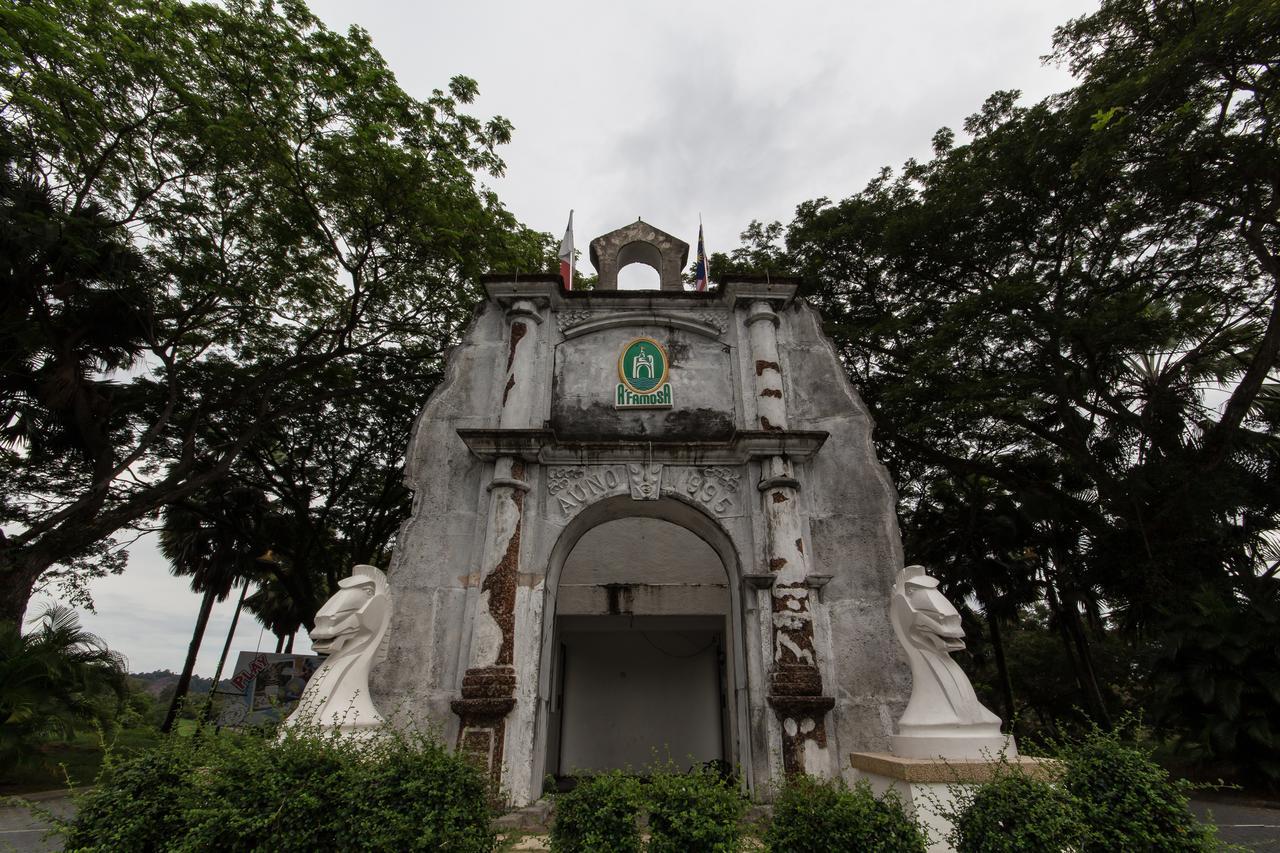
x: 643, y: 657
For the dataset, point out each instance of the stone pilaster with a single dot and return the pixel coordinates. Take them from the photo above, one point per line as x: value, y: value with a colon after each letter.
x: 489, y: 684
x: 795, y: 681
x: 771, y: 409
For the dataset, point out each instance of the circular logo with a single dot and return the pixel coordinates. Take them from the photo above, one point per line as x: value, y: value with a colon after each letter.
x: 642, y: 367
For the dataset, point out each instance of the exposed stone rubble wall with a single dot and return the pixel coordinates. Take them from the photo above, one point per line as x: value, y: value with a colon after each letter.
x: 795, y: 682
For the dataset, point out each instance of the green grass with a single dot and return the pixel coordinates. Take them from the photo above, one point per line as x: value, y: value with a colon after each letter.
x: 73, y: 762
x: 76, y: 761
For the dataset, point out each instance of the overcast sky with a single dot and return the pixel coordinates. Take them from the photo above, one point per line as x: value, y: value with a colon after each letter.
x: 732, y: 110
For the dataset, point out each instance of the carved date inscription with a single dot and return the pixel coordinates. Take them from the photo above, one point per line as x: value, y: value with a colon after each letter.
x: 715, y: 488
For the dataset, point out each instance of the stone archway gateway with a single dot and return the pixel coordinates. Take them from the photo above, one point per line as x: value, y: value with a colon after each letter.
x: 617, y: 485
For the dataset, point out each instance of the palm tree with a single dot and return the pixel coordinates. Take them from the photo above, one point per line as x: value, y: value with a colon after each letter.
x: 276, y: 609
x: 215, y: 541
x: 76, y: 305
x: 51, y: 679
x: 974, y: 536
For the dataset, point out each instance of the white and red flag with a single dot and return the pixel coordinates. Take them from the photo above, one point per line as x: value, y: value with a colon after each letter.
x: 566, y: 255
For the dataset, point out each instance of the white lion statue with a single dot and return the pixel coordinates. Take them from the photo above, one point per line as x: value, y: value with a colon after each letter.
x: 944, y: 717
x: 351, y: 628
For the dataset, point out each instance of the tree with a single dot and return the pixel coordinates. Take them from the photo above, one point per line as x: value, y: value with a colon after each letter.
x: 1067, y: 328
x: 1217, y: 678
x: 1183, y: 96
x: 761, y: 253
x: 51, y: 679
x: 1036, y: 307
x: 54, y: 401
x: 975, y: 537
x: 335, y: 470
x: 272, y: 605
x: 275, y: 206
x: 217, y: 542
x: 316, y: 493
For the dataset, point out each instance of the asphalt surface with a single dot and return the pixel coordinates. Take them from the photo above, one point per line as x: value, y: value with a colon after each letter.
x: 22, y: 831
x: 1252, y: 826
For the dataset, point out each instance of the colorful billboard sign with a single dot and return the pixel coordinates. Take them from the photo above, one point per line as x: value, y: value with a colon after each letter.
x: 265, y: 687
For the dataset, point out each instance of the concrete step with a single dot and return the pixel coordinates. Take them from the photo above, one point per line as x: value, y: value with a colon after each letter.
x: 535, y: 817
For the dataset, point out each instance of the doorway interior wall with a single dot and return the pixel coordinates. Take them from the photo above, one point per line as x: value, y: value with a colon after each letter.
x: 641, y: 668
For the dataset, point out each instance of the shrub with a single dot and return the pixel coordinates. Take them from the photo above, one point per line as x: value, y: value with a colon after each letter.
x: 600, y: 813
x: 694, y: 812
x: 1110, y: 796
x: 139, y: 708
x: 307, y: 791
x: 1218, y: 686
x: 815, y: 815
x: 1015, y: 813
x: 1128, y: 800
x: 136, y: 803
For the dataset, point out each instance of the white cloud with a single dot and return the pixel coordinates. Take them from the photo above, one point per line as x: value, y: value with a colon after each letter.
x: 739, y: 110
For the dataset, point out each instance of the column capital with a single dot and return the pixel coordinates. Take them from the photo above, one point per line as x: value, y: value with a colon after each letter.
x: 779, y: 481
x: 507, y: 483
x: 761, y: 311
x: 528, y: 308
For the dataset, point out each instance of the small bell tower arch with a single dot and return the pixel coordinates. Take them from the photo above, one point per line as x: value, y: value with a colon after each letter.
x: 640, y: 243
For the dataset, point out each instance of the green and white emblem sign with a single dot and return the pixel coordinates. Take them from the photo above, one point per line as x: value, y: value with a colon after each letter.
x: 642, y: 367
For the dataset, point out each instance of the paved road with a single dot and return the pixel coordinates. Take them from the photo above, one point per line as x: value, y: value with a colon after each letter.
x: 1249, y: 826
x: 24, y: 832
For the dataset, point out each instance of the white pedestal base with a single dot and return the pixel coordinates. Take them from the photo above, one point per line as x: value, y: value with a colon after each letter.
x: 929, y: 785
x: 988, y: 748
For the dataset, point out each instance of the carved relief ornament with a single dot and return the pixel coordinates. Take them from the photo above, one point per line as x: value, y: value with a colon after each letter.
x: 646, y: 481
x: 566, y: 320
x: 716, y: 488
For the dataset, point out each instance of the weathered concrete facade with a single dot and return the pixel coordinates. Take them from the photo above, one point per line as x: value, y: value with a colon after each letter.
x: 763, y: 463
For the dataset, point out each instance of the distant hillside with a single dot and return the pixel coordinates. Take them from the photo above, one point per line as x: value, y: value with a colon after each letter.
x: 161, y: 680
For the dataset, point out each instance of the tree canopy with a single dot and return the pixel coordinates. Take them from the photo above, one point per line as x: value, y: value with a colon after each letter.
x: 219, y: 219
x: 53, y: 679
x: 1067, y: 327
